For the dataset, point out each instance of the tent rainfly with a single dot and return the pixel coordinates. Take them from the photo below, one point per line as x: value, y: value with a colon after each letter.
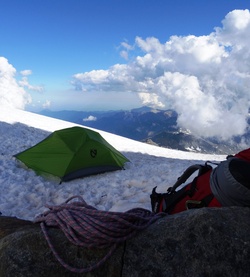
x: 72, y: 153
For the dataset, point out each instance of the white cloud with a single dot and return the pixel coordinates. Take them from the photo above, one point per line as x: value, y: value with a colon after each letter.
x: 25, y: 83
x: 46, y: 104
x: 124, y: 54
x: 151, y: 99
x: 11, y: 93
x: 26, y: 72
x: 90, y: 118
x: 126, y: 49
x: 206, y: 79
x: 236, y: 20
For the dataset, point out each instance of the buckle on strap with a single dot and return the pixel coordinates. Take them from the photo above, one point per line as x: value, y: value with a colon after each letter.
x: 192, y: 204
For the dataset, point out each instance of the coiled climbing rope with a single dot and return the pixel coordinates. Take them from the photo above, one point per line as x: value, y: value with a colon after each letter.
x: 85, y: 226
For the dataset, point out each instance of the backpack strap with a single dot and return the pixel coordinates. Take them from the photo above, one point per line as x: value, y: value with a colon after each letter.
x: 194, y: 204
x: 183, y: 178
x: 165, y: 202
x: 188, y: 172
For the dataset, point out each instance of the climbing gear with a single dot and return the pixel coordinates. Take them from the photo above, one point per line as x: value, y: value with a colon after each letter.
x: 85, y: 226
x: 225, y: 184
x: 193, y: 195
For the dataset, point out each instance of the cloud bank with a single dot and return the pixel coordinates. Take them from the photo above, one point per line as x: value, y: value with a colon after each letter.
x: 13, y: 91
x: 12, y: 94
x: 206, y: 79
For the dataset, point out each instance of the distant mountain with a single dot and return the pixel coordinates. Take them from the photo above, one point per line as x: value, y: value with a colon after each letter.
x: 187, y: 142
x: 158, y: 127
x: 136, y: 124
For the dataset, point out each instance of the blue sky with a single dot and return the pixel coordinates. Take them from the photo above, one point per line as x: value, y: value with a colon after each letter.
x: 116, y: 54
x: 63, y: 37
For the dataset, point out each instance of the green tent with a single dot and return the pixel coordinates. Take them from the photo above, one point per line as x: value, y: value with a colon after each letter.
x: 72, y: 153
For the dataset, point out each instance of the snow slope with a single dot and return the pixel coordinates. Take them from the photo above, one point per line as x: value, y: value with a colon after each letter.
x: 24, y: 194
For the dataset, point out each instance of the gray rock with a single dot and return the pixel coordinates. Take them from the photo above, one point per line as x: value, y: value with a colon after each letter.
x: 198, y: 243
x: 25, y: 253
x: 9, y: 225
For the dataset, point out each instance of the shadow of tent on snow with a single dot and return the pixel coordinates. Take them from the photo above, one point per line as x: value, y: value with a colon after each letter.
x: 72, y: 153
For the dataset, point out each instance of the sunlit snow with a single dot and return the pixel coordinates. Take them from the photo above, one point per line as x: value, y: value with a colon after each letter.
x: 24, y: 194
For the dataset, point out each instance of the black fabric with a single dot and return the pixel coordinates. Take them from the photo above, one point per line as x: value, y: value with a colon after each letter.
x: 206, y: 200
x: 168, y: 200
x: 240, y: 170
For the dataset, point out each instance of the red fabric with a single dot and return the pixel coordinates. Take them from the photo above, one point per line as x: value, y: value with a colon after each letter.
x: 245, y: 155
x: 203, y: 187
x: 202, y: 190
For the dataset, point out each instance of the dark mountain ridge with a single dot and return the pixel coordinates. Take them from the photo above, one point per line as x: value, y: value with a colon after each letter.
x: 158, y: 127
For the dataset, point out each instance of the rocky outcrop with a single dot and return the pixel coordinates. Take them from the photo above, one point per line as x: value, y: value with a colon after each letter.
x: 197, y: 243
x: 25, y: 253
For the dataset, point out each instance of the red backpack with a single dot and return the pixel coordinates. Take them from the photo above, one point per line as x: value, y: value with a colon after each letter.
x: 198, y: 193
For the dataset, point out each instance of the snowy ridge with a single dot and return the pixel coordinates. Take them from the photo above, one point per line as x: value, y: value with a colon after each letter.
x: 24, y: 194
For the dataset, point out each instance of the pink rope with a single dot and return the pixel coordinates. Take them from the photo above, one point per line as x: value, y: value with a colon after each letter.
x: 85, y: 226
